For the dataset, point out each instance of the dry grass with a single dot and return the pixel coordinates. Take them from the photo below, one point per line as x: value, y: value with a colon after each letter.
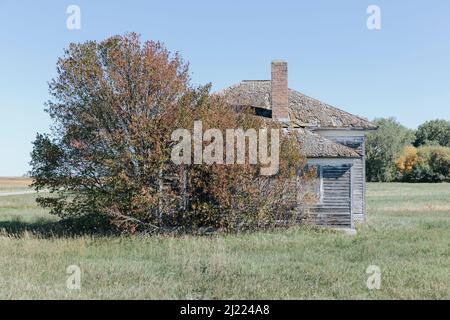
x: 12, y: 184
x: 411, y: 208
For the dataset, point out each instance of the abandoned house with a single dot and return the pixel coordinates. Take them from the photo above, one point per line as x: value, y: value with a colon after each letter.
x: 332, y: 140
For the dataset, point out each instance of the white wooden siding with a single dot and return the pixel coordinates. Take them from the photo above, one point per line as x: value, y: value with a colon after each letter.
x: 356, y: 142
x: 335, y: 205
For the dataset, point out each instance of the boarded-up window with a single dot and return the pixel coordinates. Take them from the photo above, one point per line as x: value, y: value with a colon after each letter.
x: 312, y: 188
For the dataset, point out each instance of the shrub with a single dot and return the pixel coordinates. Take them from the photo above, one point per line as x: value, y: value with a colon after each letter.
x: 407, y: 160
x: 430, y: 164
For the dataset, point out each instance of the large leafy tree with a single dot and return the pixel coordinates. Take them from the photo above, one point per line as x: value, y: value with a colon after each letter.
x: 434, y: 132
x: 383, y: 147
x: 115, y: 105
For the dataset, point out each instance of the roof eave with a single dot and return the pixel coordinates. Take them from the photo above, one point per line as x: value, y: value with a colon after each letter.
x: 332, y: 157
x: 315, y: 128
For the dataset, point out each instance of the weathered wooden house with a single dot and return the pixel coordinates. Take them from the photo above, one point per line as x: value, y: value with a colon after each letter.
x: 332, y: 140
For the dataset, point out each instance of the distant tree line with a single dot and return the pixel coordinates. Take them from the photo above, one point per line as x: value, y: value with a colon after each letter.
x: 396, y: 153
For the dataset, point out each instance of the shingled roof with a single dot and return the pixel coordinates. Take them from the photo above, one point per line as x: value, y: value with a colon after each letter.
x: 303, y: 110
x: 316, y: 146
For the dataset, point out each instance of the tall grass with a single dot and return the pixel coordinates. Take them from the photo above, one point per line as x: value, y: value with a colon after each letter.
x: 406, y: 235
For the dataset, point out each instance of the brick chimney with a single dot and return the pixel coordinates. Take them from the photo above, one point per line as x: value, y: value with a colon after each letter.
x: 280, y: 102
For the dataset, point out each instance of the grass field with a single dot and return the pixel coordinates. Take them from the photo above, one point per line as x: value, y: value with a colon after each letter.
x: 407, y: 236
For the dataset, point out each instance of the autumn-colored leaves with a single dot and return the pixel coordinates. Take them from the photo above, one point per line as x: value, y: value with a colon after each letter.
x: 115, y: 106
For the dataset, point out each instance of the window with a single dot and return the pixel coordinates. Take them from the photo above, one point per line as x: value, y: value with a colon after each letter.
x: 314, y: 186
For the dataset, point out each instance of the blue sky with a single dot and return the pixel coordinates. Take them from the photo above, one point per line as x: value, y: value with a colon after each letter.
x: 402, y: 70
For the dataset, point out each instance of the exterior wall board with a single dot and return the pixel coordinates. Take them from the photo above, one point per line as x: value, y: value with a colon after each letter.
x: 335, y: 205
x: 356, y: 141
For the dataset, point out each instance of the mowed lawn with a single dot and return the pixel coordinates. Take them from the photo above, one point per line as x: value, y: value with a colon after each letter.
x: 407, y: 236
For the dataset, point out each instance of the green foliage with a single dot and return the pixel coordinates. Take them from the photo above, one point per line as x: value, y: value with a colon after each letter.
x: 434, y: 132
x: 383, y: 147
x: 390, y: 155
x: 432, y: 165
